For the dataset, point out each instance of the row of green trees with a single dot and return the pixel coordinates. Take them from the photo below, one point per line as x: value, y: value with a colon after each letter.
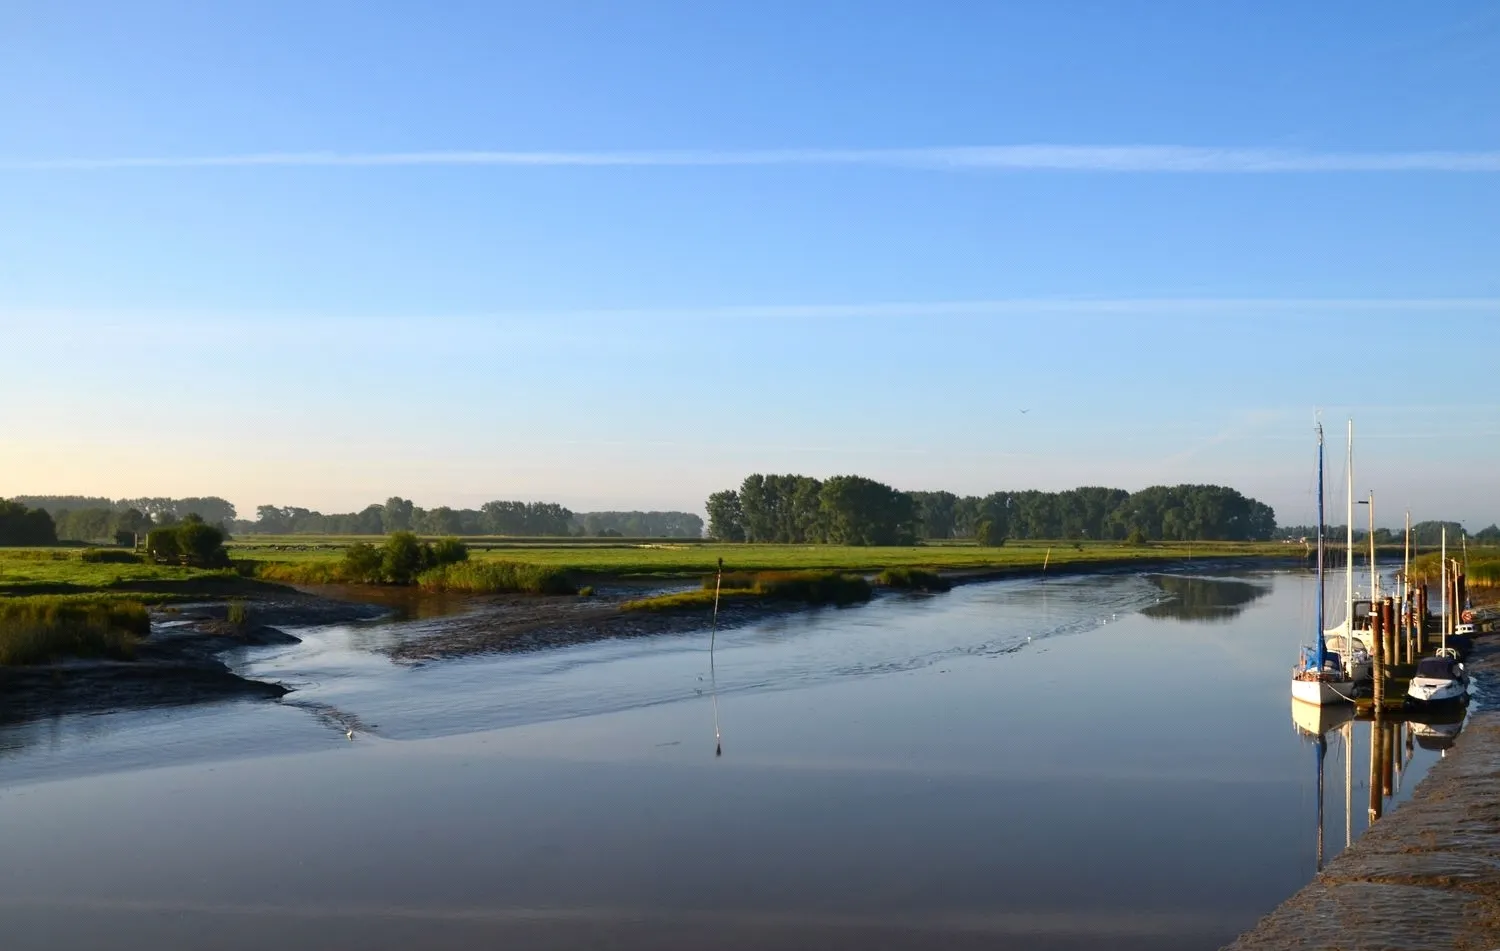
x: 843, y: 510
x: 161, y: 511
x: 22, y: 525
x: 493, y: 518
x: 855, y: 510
x: 639, y: 524
x: 1422, y: 533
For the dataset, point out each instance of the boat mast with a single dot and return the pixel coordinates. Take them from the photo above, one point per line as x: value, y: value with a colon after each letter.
x: 1374, y: 578
x: 1445, y: 587
x: 1406, y: 589
x: 1322, y: 644
x: 1349, y: 549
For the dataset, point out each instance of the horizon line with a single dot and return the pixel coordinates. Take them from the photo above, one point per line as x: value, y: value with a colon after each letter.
x: 1036, y: 157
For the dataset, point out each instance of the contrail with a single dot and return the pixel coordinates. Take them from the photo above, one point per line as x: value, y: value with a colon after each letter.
x: 1020, y: 158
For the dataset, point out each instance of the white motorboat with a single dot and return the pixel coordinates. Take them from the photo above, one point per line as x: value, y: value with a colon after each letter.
x: 1439, y: 681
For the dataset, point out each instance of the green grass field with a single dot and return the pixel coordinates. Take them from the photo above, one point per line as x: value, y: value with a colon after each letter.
x: 665, y: 557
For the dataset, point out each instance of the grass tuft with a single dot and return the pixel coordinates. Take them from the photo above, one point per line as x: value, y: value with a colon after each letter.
x: 36, y: 630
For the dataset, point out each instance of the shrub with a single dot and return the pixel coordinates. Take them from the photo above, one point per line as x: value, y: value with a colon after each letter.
x: 496, y: 577
x: 200, y: 544
x: 363, y: 564
x: 109, y: 556
x: 988, y: 534
x: 239, y: 614
x: 448, y: 551
x: 912, y: 579
x: 41, y: 629
x: 161, y: 544
x: 1136, y: 537
x: 402, y: 558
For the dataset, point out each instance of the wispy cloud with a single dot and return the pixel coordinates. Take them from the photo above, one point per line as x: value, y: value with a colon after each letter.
x: 1060, y: 158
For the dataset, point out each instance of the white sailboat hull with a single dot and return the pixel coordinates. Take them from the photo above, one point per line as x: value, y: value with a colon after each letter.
x: 1323, y: 693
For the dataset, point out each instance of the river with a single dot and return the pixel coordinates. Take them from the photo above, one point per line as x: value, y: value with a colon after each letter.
x: 1098, y: 761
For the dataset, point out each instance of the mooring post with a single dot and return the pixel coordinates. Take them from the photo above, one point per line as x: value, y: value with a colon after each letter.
x: 1388, y: 616
x: 1377, y: 654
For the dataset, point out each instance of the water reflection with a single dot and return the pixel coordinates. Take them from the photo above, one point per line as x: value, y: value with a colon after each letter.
x: 1188, y: 598
x: 1387, y: 749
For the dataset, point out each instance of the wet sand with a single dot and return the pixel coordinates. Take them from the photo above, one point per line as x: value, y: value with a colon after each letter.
x: 1426, y: 876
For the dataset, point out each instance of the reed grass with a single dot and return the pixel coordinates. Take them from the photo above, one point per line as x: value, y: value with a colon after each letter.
x: 496, y: 577
x: 912, y: 579
x: 36, y: 630
x: 807, y: 587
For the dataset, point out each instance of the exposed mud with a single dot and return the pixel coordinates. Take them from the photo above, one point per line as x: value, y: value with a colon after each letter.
x: 1426, y: 876
x: 178, y: 664
x: 512, y: 624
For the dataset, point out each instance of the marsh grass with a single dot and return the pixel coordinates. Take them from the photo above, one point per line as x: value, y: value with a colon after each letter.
x: 807, y: 587
x: 1484, y: 568
x: 35, y: 630
x: 110, y: 556
x: 912, y: 579
x: 496, y: 577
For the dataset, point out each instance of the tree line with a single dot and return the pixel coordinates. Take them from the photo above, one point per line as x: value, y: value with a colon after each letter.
x: 1422, y: 533
x: 860, y: 511
x: 492, y: 518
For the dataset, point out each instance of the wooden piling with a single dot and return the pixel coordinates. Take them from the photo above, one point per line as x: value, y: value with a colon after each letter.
x: 1377, y: 654
x: 1388, y: 625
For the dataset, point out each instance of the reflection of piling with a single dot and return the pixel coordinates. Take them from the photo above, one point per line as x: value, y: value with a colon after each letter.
x: 1377, y: 654
x: 1377, y: 726
x: 1387, y: 755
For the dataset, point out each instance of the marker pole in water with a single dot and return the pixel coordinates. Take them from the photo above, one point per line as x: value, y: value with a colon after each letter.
x: 712, y: 674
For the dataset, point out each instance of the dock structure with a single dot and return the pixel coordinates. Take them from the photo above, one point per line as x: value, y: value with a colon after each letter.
x: 1425, y: 876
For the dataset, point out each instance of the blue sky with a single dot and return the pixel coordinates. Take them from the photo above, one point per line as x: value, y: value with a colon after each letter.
x: 621, y: 254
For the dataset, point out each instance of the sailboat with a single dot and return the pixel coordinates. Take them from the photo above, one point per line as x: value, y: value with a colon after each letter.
x: 1321, y: 678
x: 1346, y: 640
x: 1441, y: 680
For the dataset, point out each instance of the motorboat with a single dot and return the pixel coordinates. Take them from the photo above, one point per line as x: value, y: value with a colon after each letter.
x: 1439, y: 681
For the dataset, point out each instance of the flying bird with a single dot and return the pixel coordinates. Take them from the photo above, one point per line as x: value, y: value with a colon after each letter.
x: 1025, y: 411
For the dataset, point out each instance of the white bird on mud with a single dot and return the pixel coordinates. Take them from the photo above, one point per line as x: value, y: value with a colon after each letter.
x: 349, y: 732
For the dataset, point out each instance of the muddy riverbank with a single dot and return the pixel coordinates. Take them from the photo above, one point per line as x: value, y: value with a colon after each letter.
x: 179, y: 663
x: 1426, y: 876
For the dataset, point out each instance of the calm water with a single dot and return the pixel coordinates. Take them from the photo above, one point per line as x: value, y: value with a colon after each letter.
x: 1098, y: 762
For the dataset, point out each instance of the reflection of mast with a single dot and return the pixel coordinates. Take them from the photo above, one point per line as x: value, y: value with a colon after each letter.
x: 713, y: 674
x: 1322, y: 747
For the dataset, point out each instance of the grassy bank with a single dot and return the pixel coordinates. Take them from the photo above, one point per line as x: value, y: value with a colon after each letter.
x: 1484, y: 568
x: 35, y: 630
x: 804, y: 587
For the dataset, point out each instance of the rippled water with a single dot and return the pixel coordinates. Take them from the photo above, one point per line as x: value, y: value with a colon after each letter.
x: 1094, y: 762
